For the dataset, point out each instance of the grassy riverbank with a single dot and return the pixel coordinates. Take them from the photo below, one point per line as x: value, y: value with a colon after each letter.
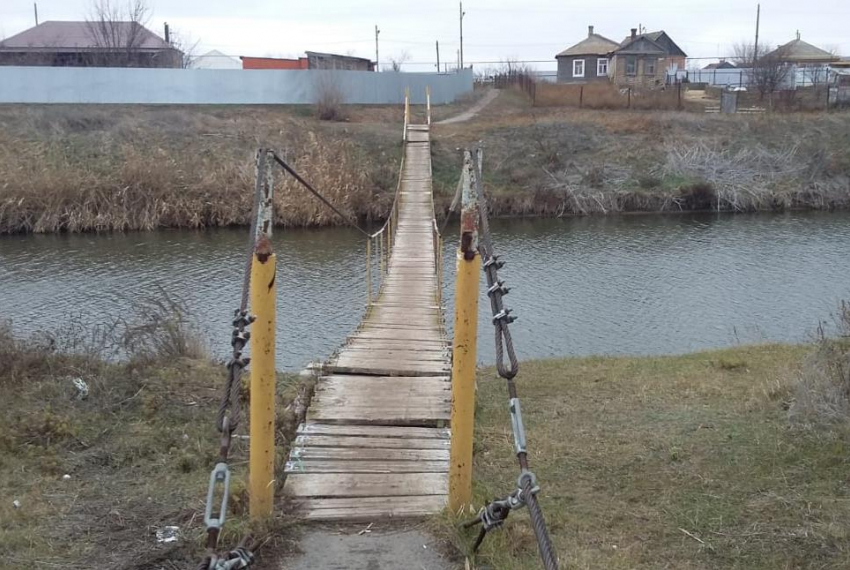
x: 726, y: 459
x: 671, y: 462
x: 87, y: 482
x: 102, y: 168
x: 553, y: 162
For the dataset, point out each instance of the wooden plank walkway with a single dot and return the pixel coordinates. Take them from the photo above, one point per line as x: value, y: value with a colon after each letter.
x: 375, y: 444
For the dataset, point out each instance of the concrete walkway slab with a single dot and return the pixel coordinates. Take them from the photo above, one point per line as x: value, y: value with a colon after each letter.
x: 377, y: 549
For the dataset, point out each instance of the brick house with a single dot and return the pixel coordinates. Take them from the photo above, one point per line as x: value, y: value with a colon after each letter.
x: 587, y: 60
x: 646, y: 60
x: 314, y: 60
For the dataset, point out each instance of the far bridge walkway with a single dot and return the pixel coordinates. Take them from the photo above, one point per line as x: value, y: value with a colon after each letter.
x: 375, y: 443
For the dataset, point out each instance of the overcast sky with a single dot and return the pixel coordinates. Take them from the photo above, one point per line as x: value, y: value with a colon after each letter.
x: 493, y: 29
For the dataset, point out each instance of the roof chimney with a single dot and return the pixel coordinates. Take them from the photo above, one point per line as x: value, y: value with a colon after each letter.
x: 167, y: 34
x: 798, y: 35
x: 634, y: 33
x: 589, y: 31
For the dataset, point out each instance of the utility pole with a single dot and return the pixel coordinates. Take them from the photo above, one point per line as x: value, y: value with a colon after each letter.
x: 377, y: 31
x: 35, y: 8
x: 756, y: 46
x: 438, y: 56
x: 460, y: 52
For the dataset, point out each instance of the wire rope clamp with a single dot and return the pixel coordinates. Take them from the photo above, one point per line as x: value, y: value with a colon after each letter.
x: 498, y: 287
x: 504, y: 315
x: 220, y: 476
x: 494, y: 260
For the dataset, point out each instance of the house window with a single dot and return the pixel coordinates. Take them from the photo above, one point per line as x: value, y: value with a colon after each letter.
x: 578, y: 68
x: 631, y: 65
x: 649, y: 67
x: 602, y: 67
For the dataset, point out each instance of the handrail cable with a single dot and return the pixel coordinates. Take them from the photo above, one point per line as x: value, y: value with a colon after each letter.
x: 495, y: 513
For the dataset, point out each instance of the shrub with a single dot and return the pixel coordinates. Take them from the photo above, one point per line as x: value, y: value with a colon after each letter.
x: 329, y: 100
x: 822, y: 392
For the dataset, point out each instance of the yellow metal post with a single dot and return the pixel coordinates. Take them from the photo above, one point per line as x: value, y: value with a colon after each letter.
x: 261, y: 454
x: 261, y: 459
x: 464, y: 347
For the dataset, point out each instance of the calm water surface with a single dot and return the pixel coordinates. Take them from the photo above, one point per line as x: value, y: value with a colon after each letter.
x: 617, y: 285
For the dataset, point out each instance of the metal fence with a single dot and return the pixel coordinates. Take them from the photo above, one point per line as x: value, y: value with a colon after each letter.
x: 223, y: 86
x: 798, y: 76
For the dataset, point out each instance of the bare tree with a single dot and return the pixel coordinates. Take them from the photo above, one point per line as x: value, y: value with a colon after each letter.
x: 771, y: 71
x: 117, y: 31
x: 186, y: 48
x: 397, y: 61
x: 745, y: 54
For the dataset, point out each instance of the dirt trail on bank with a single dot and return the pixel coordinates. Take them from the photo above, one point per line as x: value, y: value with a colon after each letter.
x: 472, y: 111
x: 346, y: 548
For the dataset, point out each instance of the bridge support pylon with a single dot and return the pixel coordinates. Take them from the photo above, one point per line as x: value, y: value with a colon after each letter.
x: 464, y: 346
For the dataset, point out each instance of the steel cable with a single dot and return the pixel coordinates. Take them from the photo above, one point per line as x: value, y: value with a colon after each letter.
x: 501, y: 320
x: 317, y: 194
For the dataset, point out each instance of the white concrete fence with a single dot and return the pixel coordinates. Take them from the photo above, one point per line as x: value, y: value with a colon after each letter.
x: 222, y: 86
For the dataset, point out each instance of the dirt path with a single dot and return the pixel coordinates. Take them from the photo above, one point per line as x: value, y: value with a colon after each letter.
x: 472, y: 111
x: 346, y: 548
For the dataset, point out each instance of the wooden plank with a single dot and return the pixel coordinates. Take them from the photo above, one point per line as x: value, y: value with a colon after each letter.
x: 401, y: 355
x: 370, y: 442
x: 407, y: 388
x: 365, y: 484
x: 366, y: 454
x: 369, y: 508
x: 356, y: 378
x: 374, y: 395
x: 375, y: 431
x: 383, y: 466
x: 371, y: 416
x: 420, y: 367
x: 385, y: 369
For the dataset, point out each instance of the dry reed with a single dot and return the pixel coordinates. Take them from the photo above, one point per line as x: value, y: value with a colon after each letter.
x: 88, y: 169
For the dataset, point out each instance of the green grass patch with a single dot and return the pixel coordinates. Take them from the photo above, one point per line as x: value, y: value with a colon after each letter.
x: 672, y: 462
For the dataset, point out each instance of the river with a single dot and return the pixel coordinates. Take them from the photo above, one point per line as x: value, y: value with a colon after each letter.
x: 641, y: 284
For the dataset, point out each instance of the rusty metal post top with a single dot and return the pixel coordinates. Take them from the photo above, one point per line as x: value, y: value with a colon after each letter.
x: 469, y: 210
x: 265, y: 193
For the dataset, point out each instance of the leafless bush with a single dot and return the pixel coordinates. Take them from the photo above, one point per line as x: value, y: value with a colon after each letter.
x: 329, y: 99
x: 822, y: 392
x: 397, y: 61
x: 160, y: 329
x: 743, y: 179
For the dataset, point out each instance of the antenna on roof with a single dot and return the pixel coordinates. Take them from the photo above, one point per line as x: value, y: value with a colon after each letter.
x: 35, y: 9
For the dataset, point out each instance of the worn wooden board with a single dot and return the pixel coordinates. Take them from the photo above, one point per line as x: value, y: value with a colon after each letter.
x: 366, y: 484
x: 375, y: 466
x: 367, y: 509
x: 375, y: 431
x: 366, y: 454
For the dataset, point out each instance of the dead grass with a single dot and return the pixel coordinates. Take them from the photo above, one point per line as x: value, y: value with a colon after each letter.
x: 821, y: 392
x: 558, y: 161
x: 605, y: 95
x: 674, y: 462
x: 137, y: 451
x: 98, y: 168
